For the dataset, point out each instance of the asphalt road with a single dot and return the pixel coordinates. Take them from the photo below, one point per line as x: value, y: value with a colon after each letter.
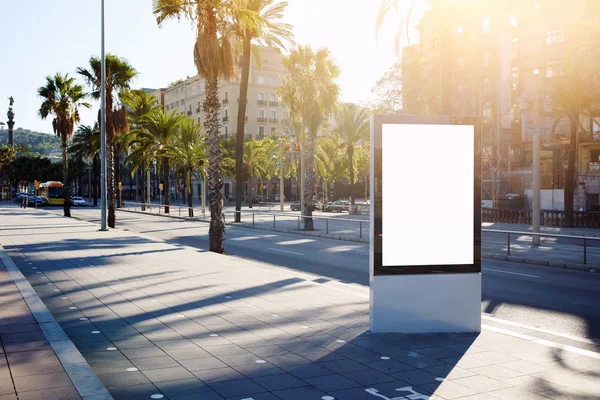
x: 565, y: 301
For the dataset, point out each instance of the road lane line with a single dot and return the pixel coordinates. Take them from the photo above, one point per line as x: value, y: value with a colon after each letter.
x: 511, y: 273
x: 541, y: 330
x: 286, y: 251
x: 544, y: 342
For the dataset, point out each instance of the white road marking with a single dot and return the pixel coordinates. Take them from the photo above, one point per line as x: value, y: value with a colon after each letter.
x: 544, y: 342
x: 511, y: 273
x: 541, y: 330
x: 293, y: 242
x: 285, y: 251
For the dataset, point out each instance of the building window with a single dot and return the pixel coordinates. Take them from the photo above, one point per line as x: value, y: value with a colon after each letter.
x: 226, y: 131
x: 261, y: 79
x: 272, y: 81
x: 261, y: 96
x: 261, y: 131
x: 225, y: 95
x: 486, y: 26
x: 273, y: 131
x: 273, y: 114
x: 261, y: 113
x: 555, y: 36
x: 273, y: 98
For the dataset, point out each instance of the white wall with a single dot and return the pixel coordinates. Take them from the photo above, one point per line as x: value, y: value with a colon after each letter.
x: 551, y: 199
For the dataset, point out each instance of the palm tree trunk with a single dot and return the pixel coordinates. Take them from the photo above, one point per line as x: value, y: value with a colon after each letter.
x: 66, y: 194
x: 215, y: 182
x: 167, y: 180
x: 241, y: 121
x: 110, y: 165
x: 189, y: 192
x: 309, y: 181
x: 570, y: 181
x: 96, y: 180
x: 350, y: 152
x: 117, y: 175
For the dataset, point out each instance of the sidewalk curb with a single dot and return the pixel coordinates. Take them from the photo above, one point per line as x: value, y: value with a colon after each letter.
x: 550, y: 264
x: 82, y: 376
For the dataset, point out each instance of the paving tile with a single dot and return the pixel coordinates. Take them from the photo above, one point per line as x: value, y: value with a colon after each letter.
x: 167, y: 345
x: 167, y: 374
x: 515, y: 393
x: 6, y: 385
x: 259, y: 396
x: 307, y: 370
x: 148, y: 363
x: 142, y: 352
x: 238, y: 387
x: 482, y: 384
x: 199, y: 364
x: 416, y: 377
x: 448, y: 390
x: 329, y: 383
x: 137, y: 392
x: 121, y: 379
x: 268, y: 351
x: 496, y: 372
x: 342, y: 366
x: 110, y: 367
x: 523, y: 367
x: 390, y: 366
x: 531, y: 383
x: 225, y: 350
x: 188, y: 353
x: 218, y: 375
x: 205, y: 396
x: 257, y: 370
x: 34, y: 363
x: 239, y: 359
x: 62, y: 393
x: 33, y: 345
x: 183, y: 387
x: 40, y: 382
x: 279, y: 382
x: 368, y: 377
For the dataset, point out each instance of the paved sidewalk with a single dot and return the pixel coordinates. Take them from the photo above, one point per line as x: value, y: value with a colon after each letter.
x: 29, y: 368
x: 160, y: 321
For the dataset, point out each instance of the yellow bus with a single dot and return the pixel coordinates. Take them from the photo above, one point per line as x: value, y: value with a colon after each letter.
x: 53, y: 191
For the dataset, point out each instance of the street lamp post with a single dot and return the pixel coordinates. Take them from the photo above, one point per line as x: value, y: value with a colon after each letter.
x: 102, y: 126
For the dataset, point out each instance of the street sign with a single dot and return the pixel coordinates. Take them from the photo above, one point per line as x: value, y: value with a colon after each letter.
x: 416, y: 250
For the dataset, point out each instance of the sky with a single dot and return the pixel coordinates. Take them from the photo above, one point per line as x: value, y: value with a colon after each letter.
x: 41, y: 37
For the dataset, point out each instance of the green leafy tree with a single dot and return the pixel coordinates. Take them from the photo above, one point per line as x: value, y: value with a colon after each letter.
x: 258, y: 21
x: 62, y: 97
x: 86, y: 144
x: 310, y: 93
x: 7, y: 157
x: 214, y: 59
x: 388, y: 91
x: 119, y: 74
x: 363, y: 165
x: 254, y: 163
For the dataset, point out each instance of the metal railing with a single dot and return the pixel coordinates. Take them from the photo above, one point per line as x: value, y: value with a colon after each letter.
x: 553, y: 235
x: 257, y: 216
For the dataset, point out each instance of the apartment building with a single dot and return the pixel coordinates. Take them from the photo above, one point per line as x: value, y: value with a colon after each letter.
x: 265, y: 113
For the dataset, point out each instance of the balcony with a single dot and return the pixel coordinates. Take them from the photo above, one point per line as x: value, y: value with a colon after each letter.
x: 261, y: 119
x: 189, y: 112
x: 273, y: 120
x: 198, y: 110
x: 284, y: 121
x: 273, y: 103
x: 225, y: 119
x: 225, y: 101
x: 261, y: 102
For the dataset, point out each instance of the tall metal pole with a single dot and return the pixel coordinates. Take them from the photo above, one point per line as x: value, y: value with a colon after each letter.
x: 103, y: 193
x: 281, y: 191
x: 536, y: 185
x: 302, y: 205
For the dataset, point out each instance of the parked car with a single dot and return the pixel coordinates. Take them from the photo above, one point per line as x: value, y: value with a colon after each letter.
x: 295, y: 206
x: 78, y: 201
x: 337, y: 206
x: 37, y: 201
x: 275, y: 197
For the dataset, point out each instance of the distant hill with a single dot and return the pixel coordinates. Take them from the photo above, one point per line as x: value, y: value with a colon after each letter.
x: 43, y: 143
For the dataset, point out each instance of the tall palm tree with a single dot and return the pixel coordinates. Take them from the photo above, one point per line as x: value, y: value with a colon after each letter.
x: 62, y: 97
x: 189, y: 152
x: 310, y: 92
x: 574, y: 95
x: 214, y: 59
x: 268, y: 30
x: 353, y: 125
x: 86, y: 144
x: 119, y: 74
x: 155, y: 136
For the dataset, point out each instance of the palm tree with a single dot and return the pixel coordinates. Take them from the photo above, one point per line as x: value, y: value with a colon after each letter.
x: 309, y: 91
x: 119, y: 74
x: 139, y: 104
x: 267, y: 30
x: 86, y: 144
x: 189, y: 152
x: 254, y: 161
x: 352, y: 126
x: 62, y: 97
x: 155, y: 136
x: 214, y: 59
x: 574, y: 95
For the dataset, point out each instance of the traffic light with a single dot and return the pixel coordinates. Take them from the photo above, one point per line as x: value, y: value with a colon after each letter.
x: 120, y: 186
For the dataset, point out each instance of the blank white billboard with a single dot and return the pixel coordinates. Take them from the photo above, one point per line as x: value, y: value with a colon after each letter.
x: 427, y: 194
